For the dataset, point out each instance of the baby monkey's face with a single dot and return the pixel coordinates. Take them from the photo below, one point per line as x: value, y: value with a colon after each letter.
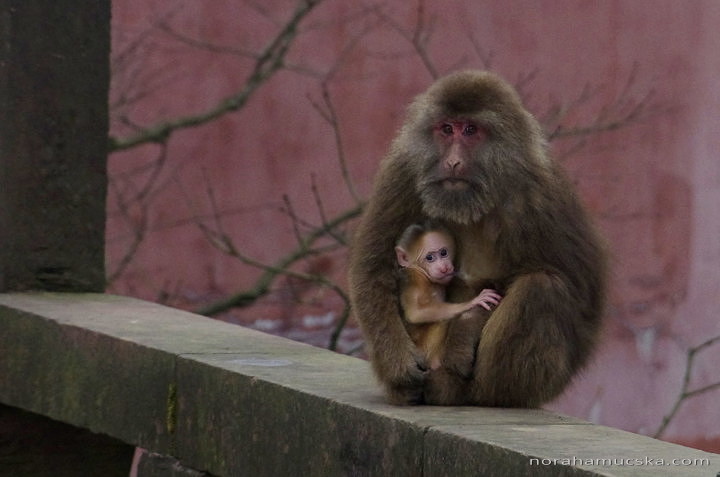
x: 435, y: 255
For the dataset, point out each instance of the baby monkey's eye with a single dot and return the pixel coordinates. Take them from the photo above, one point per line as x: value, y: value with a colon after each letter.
x: 429, y: 257
x: 443, y: 252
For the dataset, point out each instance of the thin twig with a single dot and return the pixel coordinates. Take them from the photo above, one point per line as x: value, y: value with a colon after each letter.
x: 290, y: 210
x: 139, y: 224
x: 339, y: 238
x: 205, y: 45
x: 684, y: 392
x: 419, y: 37
x: 340, y: 325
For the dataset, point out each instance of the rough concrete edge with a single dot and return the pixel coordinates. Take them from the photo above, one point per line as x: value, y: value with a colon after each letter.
x: 28, y: 305
x: 54, y: 362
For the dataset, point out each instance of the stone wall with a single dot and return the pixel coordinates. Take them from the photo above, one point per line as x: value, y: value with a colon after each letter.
x: 229, y: 401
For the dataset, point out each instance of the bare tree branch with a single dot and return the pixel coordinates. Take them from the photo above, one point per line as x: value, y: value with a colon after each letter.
x: 280, y: 267
x: 132, y: 79
x: 340, y: 325
x: 684, y: 392
x: 328, y: 113
x: 131, y: 198
x: 626, y: 108
x: 268, y: 63
x: 418, y: 37
x: 205, y: 45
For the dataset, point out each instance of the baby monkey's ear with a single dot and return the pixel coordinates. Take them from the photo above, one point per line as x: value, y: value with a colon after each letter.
x: 402, y: 257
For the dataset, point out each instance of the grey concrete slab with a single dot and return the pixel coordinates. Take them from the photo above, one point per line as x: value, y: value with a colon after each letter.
x: 234, y: 401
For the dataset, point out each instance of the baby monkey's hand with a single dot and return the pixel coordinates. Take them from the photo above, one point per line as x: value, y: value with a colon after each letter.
x: 487, y: 299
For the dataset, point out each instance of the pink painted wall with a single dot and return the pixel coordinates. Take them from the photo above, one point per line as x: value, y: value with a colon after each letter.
x: 653, y: 184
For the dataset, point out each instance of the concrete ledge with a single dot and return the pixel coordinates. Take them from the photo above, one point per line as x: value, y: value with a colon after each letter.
x: 236, y: 402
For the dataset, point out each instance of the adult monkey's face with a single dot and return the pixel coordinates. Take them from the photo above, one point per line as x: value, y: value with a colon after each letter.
x: 470, y: 143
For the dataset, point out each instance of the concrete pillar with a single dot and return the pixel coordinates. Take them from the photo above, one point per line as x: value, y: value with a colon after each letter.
x: 54, y: 77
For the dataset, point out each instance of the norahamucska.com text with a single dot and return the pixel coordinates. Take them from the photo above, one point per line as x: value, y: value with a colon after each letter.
x: 620, y: 461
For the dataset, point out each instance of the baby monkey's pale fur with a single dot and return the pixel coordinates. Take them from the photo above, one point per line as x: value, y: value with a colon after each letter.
x: 425, y: 254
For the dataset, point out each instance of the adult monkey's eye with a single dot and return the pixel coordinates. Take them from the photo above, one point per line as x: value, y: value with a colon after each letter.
x: 469, y: 130
x: 446, y: 128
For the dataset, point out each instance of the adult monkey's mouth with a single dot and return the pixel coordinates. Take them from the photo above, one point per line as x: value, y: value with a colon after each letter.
x: 452, y: 183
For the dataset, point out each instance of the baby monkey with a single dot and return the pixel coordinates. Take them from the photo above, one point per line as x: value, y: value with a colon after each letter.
x: 425, y: 254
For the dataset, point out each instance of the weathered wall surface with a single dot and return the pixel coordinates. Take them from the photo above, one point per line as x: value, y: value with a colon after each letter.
x: 653, y: 184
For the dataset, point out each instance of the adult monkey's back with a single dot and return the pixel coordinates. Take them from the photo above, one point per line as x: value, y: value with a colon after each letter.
x: 470, y: 154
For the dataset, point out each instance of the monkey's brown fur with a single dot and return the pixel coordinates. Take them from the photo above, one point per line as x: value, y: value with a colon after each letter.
x: 520, y: 229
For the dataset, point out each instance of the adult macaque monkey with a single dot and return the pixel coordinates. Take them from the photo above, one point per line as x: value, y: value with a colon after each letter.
x: 471, y: 155
x: 425, y: 254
